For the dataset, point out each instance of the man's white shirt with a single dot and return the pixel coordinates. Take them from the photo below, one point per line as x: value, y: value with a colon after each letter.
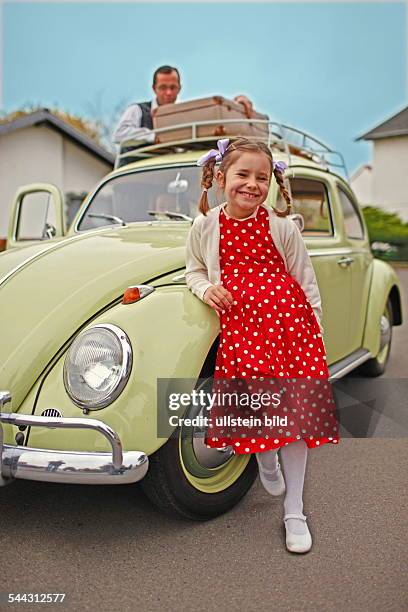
x: 129, y: 125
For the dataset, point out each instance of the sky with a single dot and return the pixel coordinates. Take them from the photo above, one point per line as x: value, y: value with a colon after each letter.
x: 332, y: 69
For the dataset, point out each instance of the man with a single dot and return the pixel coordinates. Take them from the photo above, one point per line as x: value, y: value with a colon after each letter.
x: 136, y: 122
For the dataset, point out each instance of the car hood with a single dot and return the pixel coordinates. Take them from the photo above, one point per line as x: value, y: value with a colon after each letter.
x: 48, y: 291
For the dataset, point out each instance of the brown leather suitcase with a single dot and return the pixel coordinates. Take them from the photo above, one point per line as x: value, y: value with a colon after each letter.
x: 214, y: 108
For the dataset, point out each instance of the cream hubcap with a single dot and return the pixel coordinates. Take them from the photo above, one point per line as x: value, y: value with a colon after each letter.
x: 385, y: 332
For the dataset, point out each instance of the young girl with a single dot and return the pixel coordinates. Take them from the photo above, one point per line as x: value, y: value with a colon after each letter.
x: 249, y: 263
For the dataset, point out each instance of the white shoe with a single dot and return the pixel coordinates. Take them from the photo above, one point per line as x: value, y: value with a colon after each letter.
x: 276, y: 486
x: 294, y: 542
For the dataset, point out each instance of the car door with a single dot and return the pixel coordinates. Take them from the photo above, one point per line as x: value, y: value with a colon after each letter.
x: 357, y: 240
x: 37, y: 214
x: 313, y: 196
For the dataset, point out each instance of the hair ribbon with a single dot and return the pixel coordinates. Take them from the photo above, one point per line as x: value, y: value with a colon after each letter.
x: 218, y: 154
x: 280, y: 166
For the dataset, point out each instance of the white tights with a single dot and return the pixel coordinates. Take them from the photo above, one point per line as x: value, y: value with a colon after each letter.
x: 293, y: 457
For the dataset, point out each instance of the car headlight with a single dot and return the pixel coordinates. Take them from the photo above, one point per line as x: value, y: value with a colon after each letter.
x: 97, y: 366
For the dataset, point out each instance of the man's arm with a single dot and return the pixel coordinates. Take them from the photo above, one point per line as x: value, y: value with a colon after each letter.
x: 129, y: 126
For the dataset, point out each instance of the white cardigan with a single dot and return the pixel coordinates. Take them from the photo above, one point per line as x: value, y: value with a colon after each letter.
x: 203, y: 261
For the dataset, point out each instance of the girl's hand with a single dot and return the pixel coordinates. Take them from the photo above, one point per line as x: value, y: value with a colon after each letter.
x: 218, y: 298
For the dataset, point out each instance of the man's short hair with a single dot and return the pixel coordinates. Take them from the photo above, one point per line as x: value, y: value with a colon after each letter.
x: 165, y: 70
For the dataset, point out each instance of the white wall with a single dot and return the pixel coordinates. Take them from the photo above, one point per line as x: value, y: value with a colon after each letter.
x: 40, y: 154
x: 362, y: 184
x: 29, y: 155
x: 390, y: 176
x: 81, y: 170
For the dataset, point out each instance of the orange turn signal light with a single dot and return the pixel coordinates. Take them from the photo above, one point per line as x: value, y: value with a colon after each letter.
x: 132, y: 294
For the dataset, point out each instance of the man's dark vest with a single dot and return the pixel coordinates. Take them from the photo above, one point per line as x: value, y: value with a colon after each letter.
x: 146, y: 122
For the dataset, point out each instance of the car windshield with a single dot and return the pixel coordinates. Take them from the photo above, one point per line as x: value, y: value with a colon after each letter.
x: 147, y: 196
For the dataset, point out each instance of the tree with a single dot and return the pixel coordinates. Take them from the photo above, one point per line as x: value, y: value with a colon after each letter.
x: 385, y: 226
x: 94, y: 129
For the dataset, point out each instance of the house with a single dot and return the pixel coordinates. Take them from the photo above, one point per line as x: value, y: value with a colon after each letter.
x: 361, y: 182
x: 384, y: 182
x: 41, y: 147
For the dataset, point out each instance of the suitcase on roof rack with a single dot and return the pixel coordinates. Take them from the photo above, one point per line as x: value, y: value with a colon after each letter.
x: 214, y: 108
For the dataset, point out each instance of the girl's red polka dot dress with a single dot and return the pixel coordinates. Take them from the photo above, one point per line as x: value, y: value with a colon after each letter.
x: 272, y: 337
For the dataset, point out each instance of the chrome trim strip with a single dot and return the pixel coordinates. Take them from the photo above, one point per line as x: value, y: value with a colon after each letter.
x: 338, y: 251
x: 179, y: 278
x: 341, y: 370
x: 67, y: 466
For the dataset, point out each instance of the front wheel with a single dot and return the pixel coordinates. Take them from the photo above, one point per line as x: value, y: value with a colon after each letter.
x: 376, y: 366
x: 189, y: 480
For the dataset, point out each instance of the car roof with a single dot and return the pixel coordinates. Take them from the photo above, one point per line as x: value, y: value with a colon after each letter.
x: 191, y: 157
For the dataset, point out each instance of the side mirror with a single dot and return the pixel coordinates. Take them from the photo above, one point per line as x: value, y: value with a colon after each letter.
x: 37, y: 213
x: 49, y: 231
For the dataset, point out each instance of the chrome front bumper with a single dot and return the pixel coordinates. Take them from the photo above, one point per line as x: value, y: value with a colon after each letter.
x: 78, y: 467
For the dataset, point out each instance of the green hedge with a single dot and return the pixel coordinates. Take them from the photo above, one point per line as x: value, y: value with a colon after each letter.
x: 386, y: 227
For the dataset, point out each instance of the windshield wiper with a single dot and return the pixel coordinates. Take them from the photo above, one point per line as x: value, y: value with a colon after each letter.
x: 171, y: 214
x: 108, y: 217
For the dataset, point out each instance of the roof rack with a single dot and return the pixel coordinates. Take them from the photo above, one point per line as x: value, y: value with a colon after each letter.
x: 285, y: 138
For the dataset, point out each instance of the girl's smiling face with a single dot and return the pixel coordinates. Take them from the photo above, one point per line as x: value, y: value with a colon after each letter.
x: 246, y: 183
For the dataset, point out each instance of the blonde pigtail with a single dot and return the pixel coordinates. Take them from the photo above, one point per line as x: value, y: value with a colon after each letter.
x: 206, y: 182
x: 285, y: 194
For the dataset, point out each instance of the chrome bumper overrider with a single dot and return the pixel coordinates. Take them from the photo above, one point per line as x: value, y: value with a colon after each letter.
x: 116, y: 467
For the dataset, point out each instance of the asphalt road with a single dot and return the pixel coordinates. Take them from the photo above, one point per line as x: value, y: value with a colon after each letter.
x: 107, y: 548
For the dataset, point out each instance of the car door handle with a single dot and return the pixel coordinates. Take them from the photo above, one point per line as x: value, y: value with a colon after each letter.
x: 345, y: 261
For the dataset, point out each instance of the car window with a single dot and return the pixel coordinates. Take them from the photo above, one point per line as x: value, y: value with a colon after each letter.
x: 143, y: 195
x: 310, y: 199
x: 73, y: 202
x: 36, y: 210
x: 352, y: 221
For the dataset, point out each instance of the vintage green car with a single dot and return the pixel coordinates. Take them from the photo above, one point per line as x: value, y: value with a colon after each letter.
x: 93, y: 317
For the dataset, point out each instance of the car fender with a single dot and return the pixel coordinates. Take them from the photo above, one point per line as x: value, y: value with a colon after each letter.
x: 171, y: 332
x: 384, y: 284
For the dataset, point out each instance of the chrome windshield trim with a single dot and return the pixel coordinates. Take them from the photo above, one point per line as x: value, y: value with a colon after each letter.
x: 108, y: 179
